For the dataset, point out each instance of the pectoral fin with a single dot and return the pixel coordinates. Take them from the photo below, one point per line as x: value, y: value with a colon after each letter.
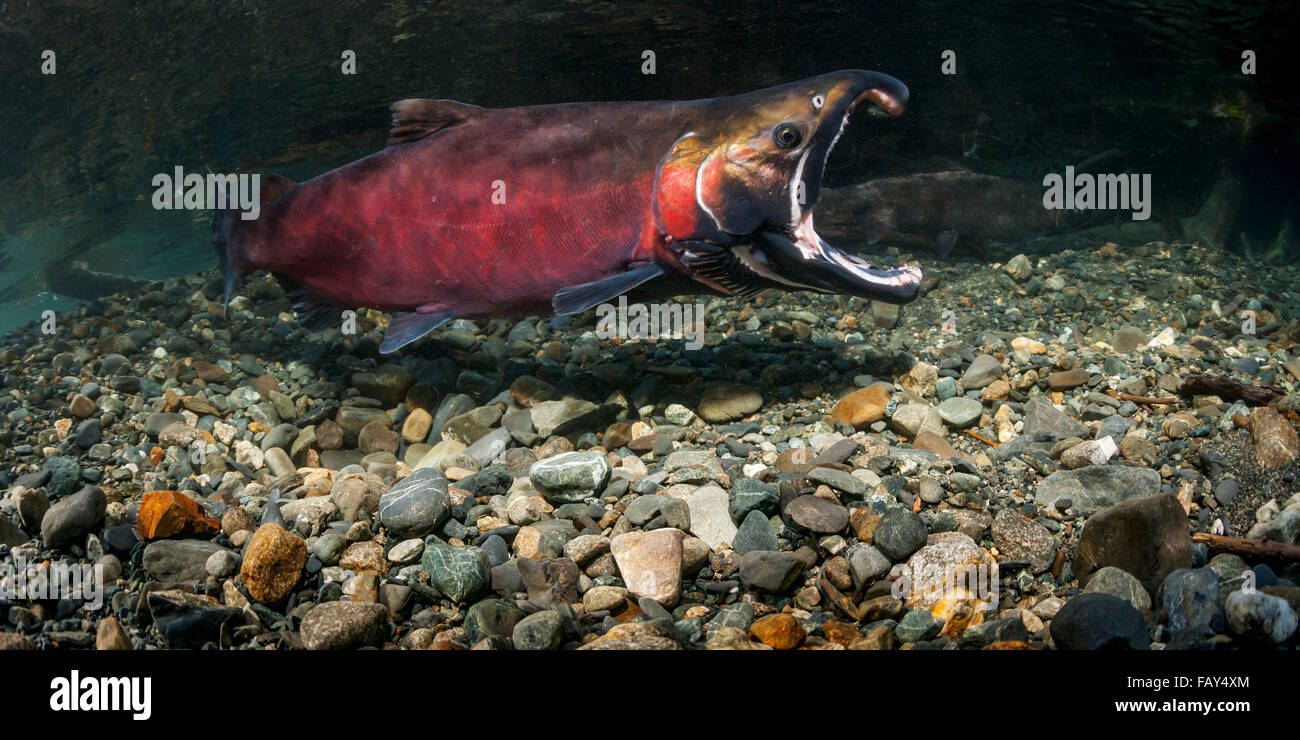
x: 408, y: 327
x: 579, y: 298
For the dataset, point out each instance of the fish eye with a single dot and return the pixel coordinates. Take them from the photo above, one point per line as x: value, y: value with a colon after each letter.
x: 787, y: 135
x: 818, y: 101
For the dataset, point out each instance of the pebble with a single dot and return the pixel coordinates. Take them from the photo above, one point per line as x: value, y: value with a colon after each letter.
x: 959, y: 411
x: 1260, y: 616
x: 1096, y: 621
x: 1097, y: 487
x: 1019, y: 538
x: 754, y: 533
x: 417, y: 504
x: 722, y: 402
x: 650, y: 563
x: 775, y: 489
x: 457, y: 572
x: 571, y: 476
x: 899, y: 534
x: 817, y: 514
x: 337, y: 625
x: 1121, y: 584
x: 1147, y: 537
x: 273, y: 563
x: 69, y: 520
x: 777, y: 631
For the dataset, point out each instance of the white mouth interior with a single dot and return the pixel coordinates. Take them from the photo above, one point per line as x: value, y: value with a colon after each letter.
x: 812, y: 246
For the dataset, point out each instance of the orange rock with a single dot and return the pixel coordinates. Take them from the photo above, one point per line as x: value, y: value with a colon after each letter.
x: 273, y: 563
x: 778, y: 631
x: 867, y: 529
x: 257, y: 427
x: 790, y: 460
x: 841, y: 633
x: 861, y: 407
x: 167, y: 513
x: 156, y: 455
x: 996, y: 391
x: 1008, y: 645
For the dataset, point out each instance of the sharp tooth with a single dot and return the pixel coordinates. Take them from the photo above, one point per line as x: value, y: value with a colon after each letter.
x: 760, y: 268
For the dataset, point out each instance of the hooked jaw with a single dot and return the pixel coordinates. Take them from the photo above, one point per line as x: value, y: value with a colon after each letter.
x: 803, y: 253
x: 823, y: 267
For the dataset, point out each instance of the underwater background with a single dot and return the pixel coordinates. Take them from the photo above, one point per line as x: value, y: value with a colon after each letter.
x: 142, y: 87
x: 1094, y: 416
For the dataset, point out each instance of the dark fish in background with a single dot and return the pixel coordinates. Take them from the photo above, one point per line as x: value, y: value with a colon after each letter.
x: 934, y: 209
x: 479, y: 213
x: 75, y: 278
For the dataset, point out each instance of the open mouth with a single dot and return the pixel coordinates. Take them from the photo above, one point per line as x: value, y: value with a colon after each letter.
x: 802, y: 251
x: 827, y: 269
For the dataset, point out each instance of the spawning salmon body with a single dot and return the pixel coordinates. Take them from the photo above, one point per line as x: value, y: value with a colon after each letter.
x: 480, y: 213
x: 490, y: 217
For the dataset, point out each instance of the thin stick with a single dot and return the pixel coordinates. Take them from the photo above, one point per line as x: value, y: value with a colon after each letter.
x: 1146, y: 399
x: 990, y: 442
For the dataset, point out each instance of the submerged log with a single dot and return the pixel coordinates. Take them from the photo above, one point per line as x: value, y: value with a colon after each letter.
x: 1254, y: 548
x: 1229, y: 389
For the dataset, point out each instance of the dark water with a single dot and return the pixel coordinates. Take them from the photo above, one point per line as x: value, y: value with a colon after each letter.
x: 142, y: 87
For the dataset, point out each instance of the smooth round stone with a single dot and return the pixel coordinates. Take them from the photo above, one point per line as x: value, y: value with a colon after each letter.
x: 932, y: 491
x: 817, y: 514
x: 1120, y: 584
x: 945, y: 388
x: 406, y: 551
x: 540, y: 631
x: 222, y: 563
x: 960, y: 411
x: 415, y: 505
x: 899, y: 534
x: 1092, y: 621
x: 328, y: 548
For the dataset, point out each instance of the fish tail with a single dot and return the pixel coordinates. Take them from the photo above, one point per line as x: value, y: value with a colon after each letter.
x: 223, y: 222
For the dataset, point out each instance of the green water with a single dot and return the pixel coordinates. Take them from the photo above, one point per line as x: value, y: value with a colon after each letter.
x: 142, y: 87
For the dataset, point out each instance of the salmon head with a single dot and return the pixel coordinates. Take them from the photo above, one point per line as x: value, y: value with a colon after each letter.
x: 734, y: 196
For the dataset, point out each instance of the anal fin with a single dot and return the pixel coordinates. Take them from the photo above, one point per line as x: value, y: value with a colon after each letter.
x: 579, y: 298
x: 408, y: 327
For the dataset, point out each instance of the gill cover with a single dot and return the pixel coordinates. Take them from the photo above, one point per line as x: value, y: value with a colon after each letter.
x: 700, y: 194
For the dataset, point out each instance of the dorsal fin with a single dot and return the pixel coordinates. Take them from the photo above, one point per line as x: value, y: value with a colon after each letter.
x: 415, y: 118
x: 273, y: 186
